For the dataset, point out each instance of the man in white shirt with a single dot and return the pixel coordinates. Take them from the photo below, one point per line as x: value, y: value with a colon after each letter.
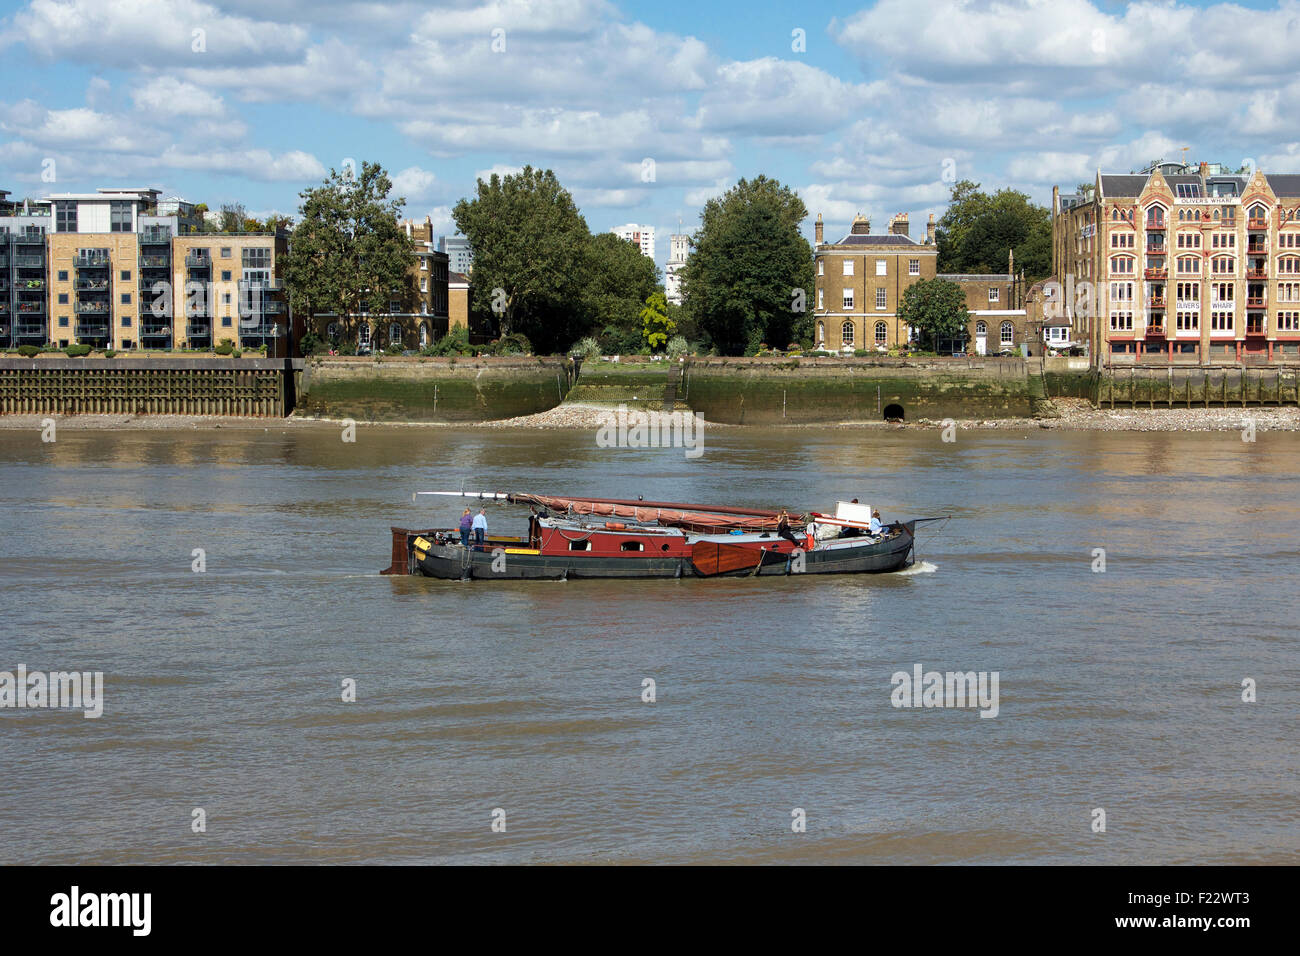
x: 480, y: 528
x: 875, y: 523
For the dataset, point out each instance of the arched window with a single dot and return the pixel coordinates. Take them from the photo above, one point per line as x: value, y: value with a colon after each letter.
x: 1182, y: 215
x: 332, y: 330
x: 1155, y: 215
x: 882, y: 333
x: 1114, y: 214
x: 981, y: 328
x: 1189, y: 265
x: 1008, y: 334
x: 394, y: 334
x: 1121, y: 265
x: 821, y: 333
x: 846, y: 334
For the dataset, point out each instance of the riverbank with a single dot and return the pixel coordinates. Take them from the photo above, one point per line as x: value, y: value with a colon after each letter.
x: 1075, y: 415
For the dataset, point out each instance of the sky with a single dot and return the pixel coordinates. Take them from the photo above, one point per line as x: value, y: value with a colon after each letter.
x: 644, y: 110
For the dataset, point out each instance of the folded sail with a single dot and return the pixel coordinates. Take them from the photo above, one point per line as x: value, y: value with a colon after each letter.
x: 691, y: 517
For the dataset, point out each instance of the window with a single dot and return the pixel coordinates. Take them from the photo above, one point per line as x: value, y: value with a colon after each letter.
x: 631, y: 546
x: 880, y: 267
x: 63, y: 298
x: 821, y: 331
x: 119, y: 215
x: 363, y: 333
x: 1223, y: 240
x: 256, y: 257
x: 225, y: 321
x: 993, y: 294
x: 225, y: 252
x: 846, y: 334
x: 1188, y: 321
x: 395, y: 334
x: 981, y: 328
x: 1121, y: 321
x: 821, y: 298
x: 225, y: 275
x: 1288, y: 292
x: 1189, y: 266
x: 1187, y: 190
x: 1221, y: 321
x: 1288, y: 321
x: 424, y: 263
x: 65, y: 216
x: 821, y: 267
x: 583, y: 545
x: 1288, y: 240
x: 1223, y: 266
x: 424, y: 284
x: 126, y: 321
x: 1156, y: 216
x: 848, y: 267
x: 1188, y: 292
x: 848, y: 299
x: 914, y: 267
x: 882, y: 333
x: 63, y: 275
x: 424, y: 335
x: 881, y: 299
x: 225, y: 298
x: 1288, y: 265
x: 1008, y: 333
x: 126, y: 298
x: 1189, y: 240
x: 1121, y: 240
x: 126, y: 275
x: 332, y: 330
x: 1121, y: 291
x: 1121, y: 265
x: 63, y: 321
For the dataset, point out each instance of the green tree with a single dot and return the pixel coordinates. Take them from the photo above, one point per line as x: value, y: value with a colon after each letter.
x: 618, y: 280
x: 935, y: 308
x: 977, y: 231
x: 529, y: 243
x: 656, y: 327
x: 750, y: 275
x: 347, y: 251
x: 233, y: 217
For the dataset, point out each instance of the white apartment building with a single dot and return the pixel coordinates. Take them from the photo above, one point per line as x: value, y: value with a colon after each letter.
x: 643, y: 236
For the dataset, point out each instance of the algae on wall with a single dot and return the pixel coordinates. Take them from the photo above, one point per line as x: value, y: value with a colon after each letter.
x: 466, y: 391
x: 756, y: 396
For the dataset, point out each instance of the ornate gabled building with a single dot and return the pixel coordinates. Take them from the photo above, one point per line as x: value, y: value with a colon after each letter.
x: 1181, y: 264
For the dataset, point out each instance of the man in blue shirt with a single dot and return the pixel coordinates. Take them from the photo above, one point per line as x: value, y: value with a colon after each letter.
x: 875, y: 523
x: 480, y: 528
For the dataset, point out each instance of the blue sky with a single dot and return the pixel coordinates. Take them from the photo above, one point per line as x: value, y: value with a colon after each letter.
x: 252, y: 100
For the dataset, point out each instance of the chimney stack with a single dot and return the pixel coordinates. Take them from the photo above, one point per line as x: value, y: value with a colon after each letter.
x: 861, y: 226
x: 929, y: 231
x: 898, y: 225
x: 818, y: 229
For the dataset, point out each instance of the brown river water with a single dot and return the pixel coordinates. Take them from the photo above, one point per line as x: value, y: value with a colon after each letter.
x: 1118, y: 690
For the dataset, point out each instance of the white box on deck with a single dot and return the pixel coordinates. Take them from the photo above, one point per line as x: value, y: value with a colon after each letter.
x: 848, y: 511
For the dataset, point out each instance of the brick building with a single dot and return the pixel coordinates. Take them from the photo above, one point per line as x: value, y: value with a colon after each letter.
x: 1181, y: 264
x: 860, y: 281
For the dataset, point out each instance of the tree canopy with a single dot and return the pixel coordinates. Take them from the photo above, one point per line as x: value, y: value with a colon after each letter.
x: 978, y: 230
x: 751, y: 272
x: 348, y: 250
x: 936, y: 308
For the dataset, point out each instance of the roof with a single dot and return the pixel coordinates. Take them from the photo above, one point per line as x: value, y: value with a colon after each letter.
x: 974, y: 277
x: 457, y: 277
x: 891, y: 239
x: 1123, y: 185
x: 1284, y: 184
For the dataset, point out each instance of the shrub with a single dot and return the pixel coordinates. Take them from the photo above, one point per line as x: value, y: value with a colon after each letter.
x: 110, y: 353
x: 29, y: 351
x: 77, y: 351
x: 311, y: 343
x: 819, y: 353
x: 236, y: 353
x: 588, y: 349
x: 455, y: 342
x: 860, y: 353
x: 677, y: 347
x: 225, y: 347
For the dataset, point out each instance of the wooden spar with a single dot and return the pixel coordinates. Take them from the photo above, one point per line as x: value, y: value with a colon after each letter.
x: 674, y: 506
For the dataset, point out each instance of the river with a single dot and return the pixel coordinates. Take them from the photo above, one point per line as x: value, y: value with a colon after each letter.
x: 1119, y: 690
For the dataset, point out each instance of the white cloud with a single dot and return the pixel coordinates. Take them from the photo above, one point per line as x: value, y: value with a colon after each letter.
x: 172, y: 97
x: 413, y: 183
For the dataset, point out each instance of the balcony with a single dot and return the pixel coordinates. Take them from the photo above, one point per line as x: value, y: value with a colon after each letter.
x: 90, y: 285
x: 29, y: 262
x: 1160, y: 273
x: 1156, y: 325
x: 1157, y: 302
x: 1254, y: 248
x: 29, y: 330
x: 1257, y: 272
x: 31, y: 308
x: 1257, y: 222
x: 151, y: 330
x: 156, y: 237
x: 1255, y: 302
x: 91, y: 308
x: 1156, y: 248
x: 155, y: 262
x: 194, y: 260
x: 197, y: 310
x: 266, y: 330
x: 198, y: 329
x: 92, y: 330
x: 1255, y: 326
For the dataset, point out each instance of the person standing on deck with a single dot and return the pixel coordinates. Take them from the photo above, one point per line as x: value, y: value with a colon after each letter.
x: 465, y: 523
x: 480, y: 528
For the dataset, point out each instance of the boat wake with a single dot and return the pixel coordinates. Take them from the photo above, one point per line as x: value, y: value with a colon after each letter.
x: 921, y: 567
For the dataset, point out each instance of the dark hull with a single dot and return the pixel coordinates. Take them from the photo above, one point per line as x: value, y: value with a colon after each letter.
x: 452, y: 562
